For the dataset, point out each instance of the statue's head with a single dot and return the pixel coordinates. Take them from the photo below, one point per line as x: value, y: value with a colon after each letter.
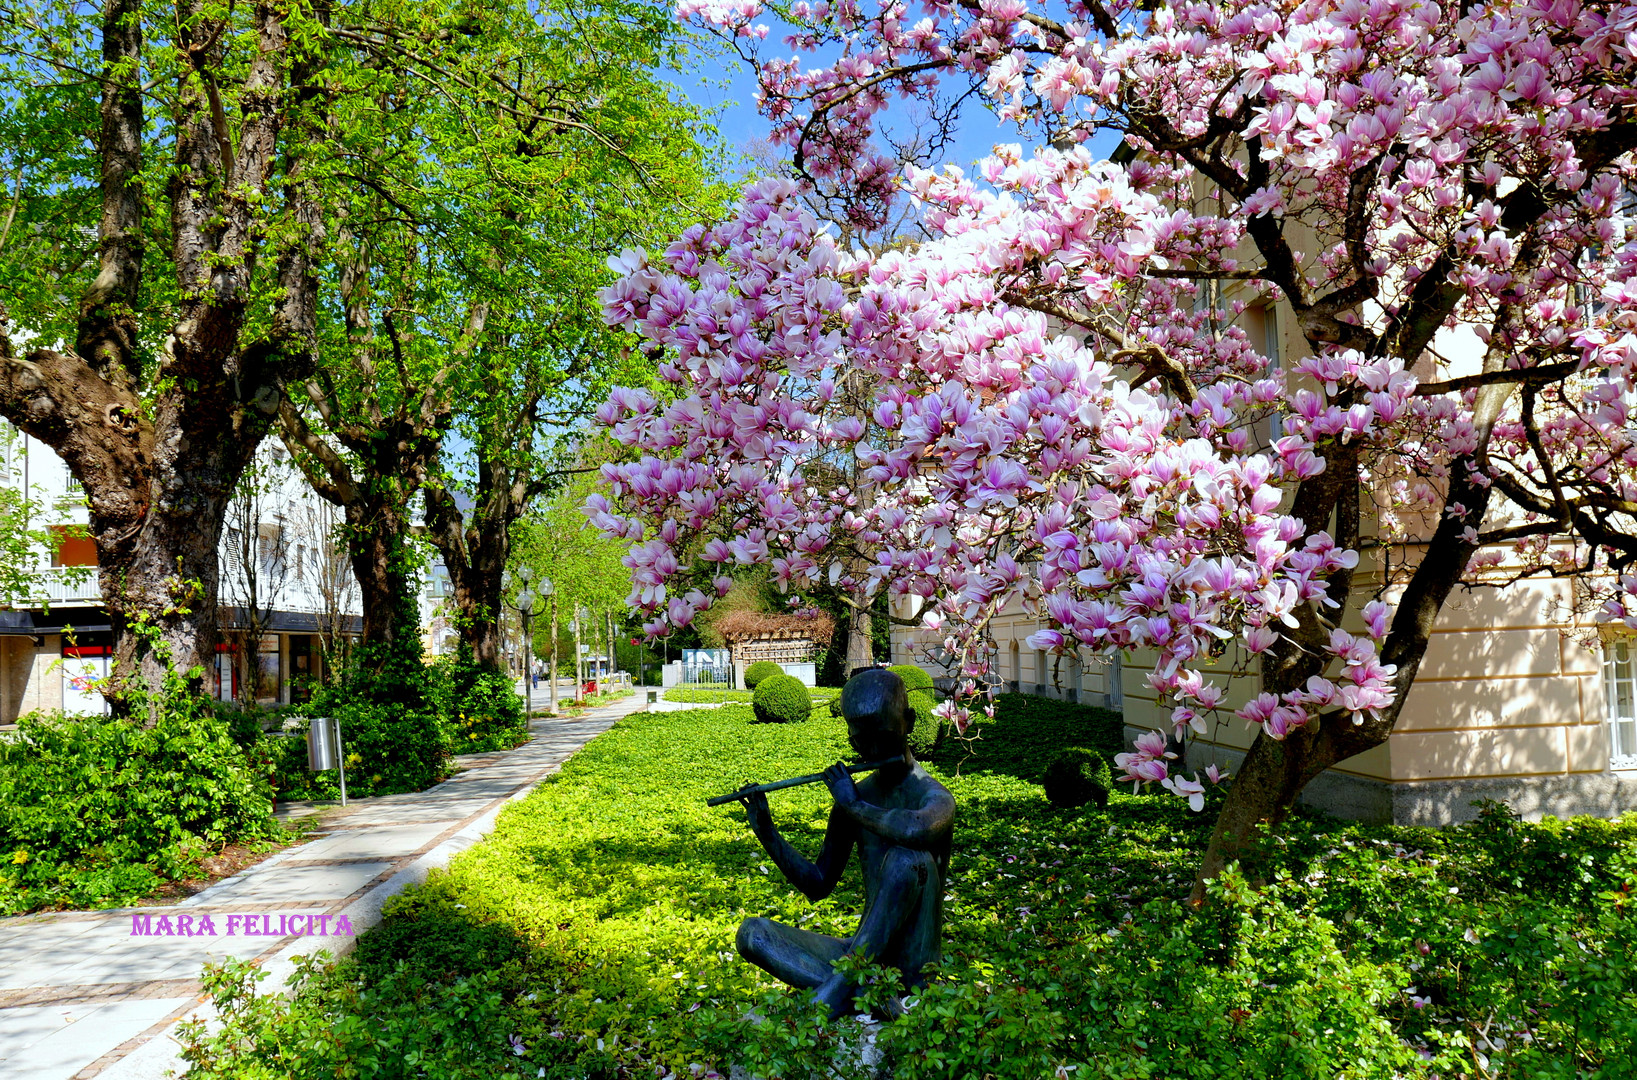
x: 879, y: 719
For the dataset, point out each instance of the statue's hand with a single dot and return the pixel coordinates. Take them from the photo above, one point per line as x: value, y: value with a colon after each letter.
x: 840, y: 783
x: 756, y: 809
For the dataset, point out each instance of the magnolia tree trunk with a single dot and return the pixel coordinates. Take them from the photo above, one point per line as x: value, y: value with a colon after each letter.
x: 860, y: 650
x: 1275, y: 771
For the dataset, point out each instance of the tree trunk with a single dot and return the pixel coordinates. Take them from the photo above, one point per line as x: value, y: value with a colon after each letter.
x: 160, y: 589
x: 860, y: 650
x: 1274, y: 772
x: 475, y: 554
x: 376, y: 532
x: 159, y: 453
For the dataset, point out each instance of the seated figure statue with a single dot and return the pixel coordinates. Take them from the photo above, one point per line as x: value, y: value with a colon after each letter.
x: 900, y: 818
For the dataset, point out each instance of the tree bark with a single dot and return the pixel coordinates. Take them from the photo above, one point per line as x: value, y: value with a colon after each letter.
x: 860, y: 649
x: 390, y: 457
x: 475, y: 553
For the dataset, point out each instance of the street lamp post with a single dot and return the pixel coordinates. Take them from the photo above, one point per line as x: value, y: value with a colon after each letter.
x: 525, y: 608
x: 579, y: 681
x: 549, y: 591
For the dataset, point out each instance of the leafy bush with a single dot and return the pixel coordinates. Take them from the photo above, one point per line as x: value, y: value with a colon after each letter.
x: 1076, y: 777
x: 389, y: 749
x: 245, y: 725
x: 481, y: 709
x: 597, y: 931
x: 760, y: 670
x: 914, y: 678
x: 928, y: 729
x: 392, y: 709
x: 97, y: 811
x: 781, y: 699
x: 1027, y: 733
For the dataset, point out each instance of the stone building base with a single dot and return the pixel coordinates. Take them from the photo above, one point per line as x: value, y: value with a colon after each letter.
x: 1444, y: 802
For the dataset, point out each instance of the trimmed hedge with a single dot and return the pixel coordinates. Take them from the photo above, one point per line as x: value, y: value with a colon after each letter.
x: 688, y: 695
x: 924, y: 736
x: 760, y: 670
x: 781, y: 699
x: 1076, y: 777
x: 914, y: 678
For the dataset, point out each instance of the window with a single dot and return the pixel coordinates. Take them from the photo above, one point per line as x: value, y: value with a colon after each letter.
x: 72, y: 547
x: 1620, y: 697
x: 267, y: 669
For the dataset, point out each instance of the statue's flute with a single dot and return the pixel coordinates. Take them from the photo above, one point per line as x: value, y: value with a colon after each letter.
x: 794, y: 781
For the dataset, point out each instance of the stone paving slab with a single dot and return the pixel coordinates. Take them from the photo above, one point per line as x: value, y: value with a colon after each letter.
x: 305, y: 885
x: 388, y: 842
x: 83, y: 996
x: 47, y: 1042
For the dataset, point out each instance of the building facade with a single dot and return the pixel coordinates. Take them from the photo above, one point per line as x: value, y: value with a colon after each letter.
x: 287, y: 597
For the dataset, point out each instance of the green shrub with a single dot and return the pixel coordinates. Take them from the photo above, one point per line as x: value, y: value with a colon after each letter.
x: 688, y: 695
x: 246, y: 724
x: 914, y: 678
x: 924, y: 736
x: 394, y: 711
x: 97, y: 811
x: 1076, y: 777
x: 781, y: 699
x: 389, y: 749
x: 481, y: 709
x: 760, y: 670
x: 1027, y: 732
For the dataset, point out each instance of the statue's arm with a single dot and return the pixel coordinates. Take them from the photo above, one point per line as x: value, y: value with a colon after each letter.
x: 818, y: 879
x: 921, y: 827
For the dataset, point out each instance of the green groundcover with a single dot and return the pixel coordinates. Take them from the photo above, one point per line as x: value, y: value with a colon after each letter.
x: 591, y: 936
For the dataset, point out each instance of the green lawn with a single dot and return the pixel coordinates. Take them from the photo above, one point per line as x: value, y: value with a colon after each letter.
x: 595, y: 926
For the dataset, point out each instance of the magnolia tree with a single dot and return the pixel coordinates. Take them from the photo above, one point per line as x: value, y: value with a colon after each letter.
x: 1048, y: 401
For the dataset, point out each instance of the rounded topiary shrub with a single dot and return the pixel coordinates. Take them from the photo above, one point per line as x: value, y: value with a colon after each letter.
x: 759, y: 671
x: 781, y: 699
x: 1076, y: 777
x: 923, y: 737
x: 914, y: 678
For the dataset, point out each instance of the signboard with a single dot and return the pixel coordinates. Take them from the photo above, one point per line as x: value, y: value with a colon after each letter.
x: 84, y: 669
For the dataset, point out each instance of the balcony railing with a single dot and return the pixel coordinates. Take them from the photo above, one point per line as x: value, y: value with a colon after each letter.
x: 61, y: 585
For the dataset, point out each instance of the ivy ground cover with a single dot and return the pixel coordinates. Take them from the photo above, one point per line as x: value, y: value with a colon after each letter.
x: 591, y: 936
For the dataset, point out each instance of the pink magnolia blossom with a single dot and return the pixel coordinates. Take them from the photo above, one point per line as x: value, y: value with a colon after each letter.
x: 1045, y: 406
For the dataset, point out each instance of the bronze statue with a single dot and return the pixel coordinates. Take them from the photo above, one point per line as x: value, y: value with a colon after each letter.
x: 900, y: 818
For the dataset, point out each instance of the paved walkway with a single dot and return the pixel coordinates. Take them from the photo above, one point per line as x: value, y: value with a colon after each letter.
x: 82, y: 994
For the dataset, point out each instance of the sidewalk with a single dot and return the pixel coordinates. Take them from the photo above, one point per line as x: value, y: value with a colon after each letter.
x: 83, y: 995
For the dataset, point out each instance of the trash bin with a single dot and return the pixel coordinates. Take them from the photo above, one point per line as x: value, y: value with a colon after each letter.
x: 322, y: 751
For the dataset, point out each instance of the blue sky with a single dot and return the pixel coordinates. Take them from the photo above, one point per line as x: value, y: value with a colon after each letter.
x: 726, y: 82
